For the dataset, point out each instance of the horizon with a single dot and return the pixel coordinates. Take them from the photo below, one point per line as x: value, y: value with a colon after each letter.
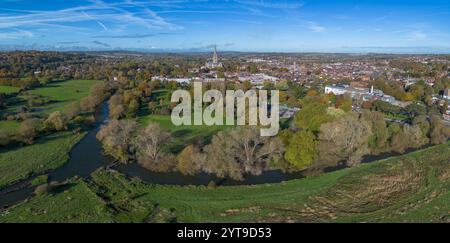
x: 350, y: 26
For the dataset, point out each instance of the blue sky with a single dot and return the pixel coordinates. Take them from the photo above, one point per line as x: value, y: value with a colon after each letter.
x: 234, y: 25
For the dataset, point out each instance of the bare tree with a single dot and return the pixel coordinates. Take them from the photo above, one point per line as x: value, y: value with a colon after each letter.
x: 150, y: 147
x: 345, y: 139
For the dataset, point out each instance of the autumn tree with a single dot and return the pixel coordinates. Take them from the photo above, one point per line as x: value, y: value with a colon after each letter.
x: 189, y: 160
x: 116, y: 138
x: 29, y: 129
x: 439, y: 133
x: 56, y: 121
x: 240, y: 151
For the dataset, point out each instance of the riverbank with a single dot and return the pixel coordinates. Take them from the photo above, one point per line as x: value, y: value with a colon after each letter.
x: 407, y: 188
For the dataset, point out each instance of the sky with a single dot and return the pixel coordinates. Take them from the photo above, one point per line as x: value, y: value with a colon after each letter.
x: 395, y: 26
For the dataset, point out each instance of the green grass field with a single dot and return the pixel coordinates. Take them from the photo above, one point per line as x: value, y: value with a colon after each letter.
x: 8, y: 89
x: 63, y: 93
x: 409, y: 188
x: 45, y: 154
x: 183, y: 135
x: 60, y: 94
x: 9, y: 126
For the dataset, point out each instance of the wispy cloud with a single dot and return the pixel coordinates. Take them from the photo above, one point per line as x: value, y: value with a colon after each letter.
x: 279, y: 4
x: 96, y: 10
x: 314, y: 27
x: 15, y: 34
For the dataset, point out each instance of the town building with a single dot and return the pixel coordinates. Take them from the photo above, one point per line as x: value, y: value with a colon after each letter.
x: 364, y: 94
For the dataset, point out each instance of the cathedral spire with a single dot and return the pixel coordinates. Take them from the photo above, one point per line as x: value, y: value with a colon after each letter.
x: 215, y: 58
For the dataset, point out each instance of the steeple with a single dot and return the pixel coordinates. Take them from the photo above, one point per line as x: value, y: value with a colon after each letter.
x: 215, y: 58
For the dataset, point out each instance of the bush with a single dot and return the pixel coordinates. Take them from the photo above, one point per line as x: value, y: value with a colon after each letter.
x: 42, y: 189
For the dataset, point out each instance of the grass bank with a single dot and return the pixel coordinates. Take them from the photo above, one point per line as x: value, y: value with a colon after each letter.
x: 408, y: 188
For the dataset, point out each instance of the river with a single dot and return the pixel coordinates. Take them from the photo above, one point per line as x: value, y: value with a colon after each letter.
x: 87, y: 156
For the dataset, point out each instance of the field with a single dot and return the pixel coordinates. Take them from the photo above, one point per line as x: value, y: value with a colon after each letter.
x: 9, y: 126
x: 63, y: 93
x: 8, y: 89
x: 47, y: 153
x: 408, y: 188
x: 60, y: 94
x: 183, y: 135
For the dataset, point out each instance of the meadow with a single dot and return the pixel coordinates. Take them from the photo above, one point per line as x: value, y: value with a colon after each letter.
x: 8, y: 89
x: 45, y: 154
x: 182, y: 135
x: 409, y: 188
x: 50, y: 151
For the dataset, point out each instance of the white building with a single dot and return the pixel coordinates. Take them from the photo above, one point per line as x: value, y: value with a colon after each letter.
x: 336, y: 90
x: 258, y: 79
x: 360, y: 93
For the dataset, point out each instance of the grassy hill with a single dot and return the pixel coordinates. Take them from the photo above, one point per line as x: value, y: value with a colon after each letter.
x: 409, y: 188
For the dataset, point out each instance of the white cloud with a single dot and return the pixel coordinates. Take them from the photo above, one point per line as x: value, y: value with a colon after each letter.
x: 314, y: 27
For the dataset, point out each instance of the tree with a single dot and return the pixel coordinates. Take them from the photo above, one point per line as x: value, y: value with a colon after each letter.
x: 422, y: 122
x: 116, y: 138
x: 116, y: 106
x: 301, y: 150
x: 439, y: 133
x: 29, y: 129
x: 189, y: 160
x: 56, y: 121
x: 312, y: 115
x: 378, y: 141
x: 407, y: 137
x: 240, y: 151
x: 151, y: 148
x: 344, y: 102
x: 5, y: 138
x: 72, y: 110
x: 345, y: 139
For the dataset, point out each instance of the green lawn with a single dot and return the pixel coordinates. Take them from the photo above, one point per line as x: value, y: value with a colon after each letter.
x: 409, y: 188
x: 8, y: 89
x: 9, y: 126
x: 45, y: 154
